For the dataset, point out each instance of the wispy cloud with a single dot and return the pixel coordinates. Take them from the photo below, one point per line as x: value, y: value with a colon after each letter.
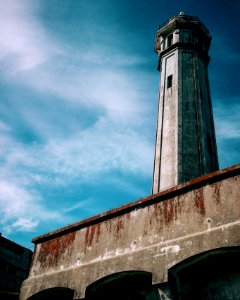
x: 22, y: 42
x: 22, y: 224
x: 101, y: 148
x: 86, y: 157
x: 78, y: 111
x: 81, y: 204
x: 21, y: 209
x: 82, y: 76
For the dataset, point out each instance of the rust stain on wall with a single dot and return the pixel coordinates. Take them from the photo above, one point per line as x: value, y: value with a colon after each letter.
x: 93, y: 230
x: 216, y: 193
x: 52, y: 250
x: 114, y: 226
x: 178, y: 206
x: 120, y: 225
x: 199, y: 201
x: 166, y: 212
x: 109, y: 225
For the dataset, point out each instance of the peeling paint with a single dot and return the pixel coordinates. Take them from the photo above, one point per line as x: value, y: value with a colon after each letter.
x: 52, y: 250
x: 167, y: 211
x: 171, y: 249
x: 93, y: 230
x: 199, y: 201
x: 216, y: 193
x: 119, y: 226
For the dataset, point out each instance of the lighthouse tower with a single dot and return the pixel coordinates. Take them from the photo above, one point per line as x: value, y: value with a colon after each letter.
x: 185, y: 141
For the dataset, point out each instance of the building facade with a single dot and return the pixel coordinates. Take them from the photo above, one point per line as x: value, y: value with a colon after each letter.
x: 185, y: 142
x: 181, y: 242
x: 15, y: 263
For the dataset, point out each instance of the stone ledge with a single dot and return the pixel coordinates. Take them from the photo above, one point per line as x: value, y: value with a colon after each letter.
x: 142, y: 202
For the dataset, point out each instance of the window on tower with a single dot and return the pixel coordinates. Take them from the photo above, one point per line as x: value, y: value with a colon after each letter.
x: 170, y: 40
x: 169, y: 81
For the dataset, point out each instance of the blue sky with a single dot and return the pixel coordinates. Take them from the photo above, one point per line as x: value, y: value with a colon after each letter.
x: 79, y: 92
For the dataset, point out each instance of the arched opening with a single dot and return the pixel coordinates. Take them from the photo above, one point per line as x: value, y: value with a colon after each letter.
x: 129, y: 285
x: 207, y: 276
x: 59, y: 293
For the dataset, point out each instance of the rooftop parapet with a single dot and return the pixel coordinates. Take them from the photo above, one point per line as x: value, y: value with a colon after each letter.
x: 182, y: 30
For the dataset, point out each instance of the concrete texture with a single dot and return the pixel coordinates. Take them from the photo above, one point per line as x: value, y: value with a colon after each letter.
x: 151, y: 235
x: 185, y: 141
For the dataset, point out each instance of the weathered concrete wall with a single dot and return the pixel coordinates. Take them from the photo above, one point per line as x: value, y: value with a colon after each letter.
x: 166, y: 152
x: 185, y: 141
x: 152, y: 234
x: 196, y: 134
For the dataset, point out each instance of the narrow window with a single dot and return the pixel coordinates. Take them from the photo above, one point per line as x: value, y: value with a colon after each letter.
x: 169, y: 81
x: 163, y: 44
x: 170, y: 40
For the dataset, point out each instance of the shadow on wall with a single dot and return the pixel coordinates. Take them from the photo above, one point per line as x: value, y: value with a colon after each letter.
x: 124, y: 285
x: 211, y: 275
x: 59, y: 293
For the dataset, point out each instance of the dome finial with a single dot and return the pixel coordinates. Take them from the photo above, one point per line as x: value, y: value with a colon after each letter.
x: 181, y: 13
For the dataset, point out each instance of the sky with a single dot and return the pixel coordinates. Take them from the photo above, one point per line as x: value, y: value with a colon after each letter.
x: 78, y: 109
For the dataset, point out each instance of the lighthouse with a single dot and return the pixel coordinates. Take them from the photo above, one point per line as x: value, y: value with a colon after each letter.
x: 185, y: 146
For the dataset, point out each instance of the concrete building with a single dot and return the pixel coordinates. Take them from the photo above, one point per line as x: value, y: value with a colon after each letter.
x: 180, y: 243
x: 185, y: 143
x: 15, y: 263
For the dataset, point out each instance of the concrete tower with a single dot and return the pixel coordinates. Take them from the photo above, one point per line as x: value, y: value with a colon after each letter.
x: 185, y: 142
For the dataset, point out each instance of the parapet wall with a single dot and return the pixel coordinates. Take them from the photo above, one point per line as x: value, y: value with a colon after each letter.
x: 152, y: 234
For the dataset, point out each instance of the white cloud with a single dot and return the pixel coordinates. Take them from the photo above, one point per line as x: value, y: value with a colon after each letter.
x: 85, y: 75
x: 85, y: 157
x: 110, y: 92
x: 21, y: 207
x: 13, y: 200
x: 23, y: 42
x: 81, y: 204
x: 101, y: 148
x: 4, y: 127
x: 22, y: 224
x: 112, y: 142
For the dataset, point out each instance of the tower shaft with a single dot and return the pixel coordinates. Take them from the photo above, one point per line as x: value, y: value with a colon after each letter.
x: 185, y: 142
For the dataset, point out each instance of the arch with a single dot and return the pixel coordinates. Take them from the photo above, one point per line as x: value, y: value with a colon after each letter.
x: 123, y: 285
x: 214, y: 274
x: 60, y: 293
